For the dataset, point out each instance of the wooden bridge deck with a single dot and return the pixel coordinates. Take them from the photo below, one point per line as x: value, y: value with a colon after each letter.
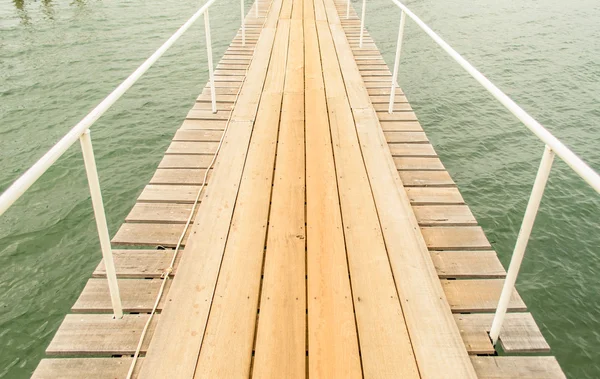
x: 330, y: 241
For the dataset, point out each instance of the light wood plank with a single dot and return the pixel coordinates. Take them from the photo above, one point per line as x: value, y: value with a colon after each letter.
x: 280, y: 349
x: 158, y: 193
x: 162, y: 213
x: 455, y: 238
x: 517, y: 368
x: 198, y: 135
x: 413, y: 137
x: 519, y: 332
x: 412, y: 150
x: 181, y: 176
x: 227, y: 346
x: 467, y: 264
x: 89, y: 368
x: 205, y: 124
x: 434, y: 196
x: 332, y: 335
x: 448, y: 215
x: 185, y: 161
x: 146, y: 234
x: 191, y: 148
x: 175, y: 347
x: 426, y: 179
x: 100, y: 334
x: 179, y: 336
x: 138, y: 263
x: 386, y: 353
x: 137, y: 295
x: 479, y: 295
x: 422, y: 164
x: 435, y: 338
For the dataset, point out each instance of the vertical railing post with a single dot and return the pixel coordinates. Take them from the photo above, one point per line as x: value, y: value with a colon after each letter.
x: 256, y: 9
x: 243, y: 23
x: 211, y: 75
x: 526, y: 227
x: 397, y: 61
x: 97, y: 204
x: 362, y: 23
x: 348, y: 10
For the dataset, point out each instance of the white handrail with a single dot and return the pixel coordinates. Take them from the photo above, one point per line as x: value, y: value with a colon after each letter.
x: 579, y: 166
x: 21, y: 185
x: 81, y: 132
x: 553, y: 146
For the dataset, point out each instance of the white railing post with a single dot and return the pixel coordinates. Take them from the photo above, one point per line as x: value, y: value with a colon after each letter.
x: 397, y: 61
x: 348, y: 10
x: 528, y: 219
x: 97, y: 204
x: 256, y: 9
x: 211, y: 75
x: 362, y: 23
x: 243, y: 23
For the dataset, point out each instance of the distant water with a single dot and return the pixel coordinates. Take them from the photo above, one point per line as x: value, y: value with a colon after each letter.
x: 59, y: 58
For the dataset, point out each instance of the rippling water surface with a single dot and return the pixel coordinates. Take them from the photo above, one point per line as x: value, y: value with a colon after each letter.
x: 58, y: 59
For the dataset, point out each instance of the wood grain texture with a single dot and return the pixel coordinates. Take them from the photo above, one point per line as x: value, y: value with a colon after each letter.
x: 227, y: 346
x: 517, y: 368
x: 385, y: 353
x: 100, y: 334
x: 332, y: 335
x: 174, y: 350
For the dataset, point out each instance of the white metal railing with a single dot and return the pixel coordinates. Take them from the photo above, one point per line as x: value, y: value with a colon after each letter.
x: 553, y: 147
x: 81, y: 132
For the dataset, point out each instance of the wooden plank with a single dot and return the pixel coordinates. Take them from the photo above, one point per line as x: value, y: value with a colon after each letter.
x: 386, y: 352
x: 191, y: 148
x: 280, y: 348
x: 89, y: 368
x: 198, y: 135
x: 205, y: 124
x: 436, y: 340
x: 517, y: 368
x: 479, y: 295
x: 185, y: 161
x: 401, y: 126
x: 448, y: 215
x: 207, y: 105
x: 175, y: 347
x: 434, y: 195
x: 186, y: 176
x: 467, y: 264
x: 422, y: 164
x: 396, y: 116
x: 101, y: 335
x: 332, y: 335
x: 383, y: 99
x: 412, y: 137
x: 138, y: 263
x: 227, y: 346
x: 455, y: 238
x: 137, y: 295
x: 162, y: 213
x: 519, y: 334
x: 158, y: 193
x: 412, y: 150
x: 426, y: 179
x: 205, y: 97
x: 146, y: 234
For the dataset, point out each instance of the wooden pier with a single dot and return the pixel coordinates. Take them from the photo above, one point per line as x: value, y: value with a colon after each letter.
x: 330, y: 241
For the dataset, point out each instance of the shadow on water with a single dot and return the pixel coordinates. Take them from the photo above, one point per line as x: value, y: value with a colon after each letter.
x: 47, y: 8
x: 22, y: 12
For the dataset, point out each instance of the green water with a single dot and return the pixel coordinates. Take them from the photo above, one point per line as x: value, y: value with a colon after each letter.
x: 59, y: 58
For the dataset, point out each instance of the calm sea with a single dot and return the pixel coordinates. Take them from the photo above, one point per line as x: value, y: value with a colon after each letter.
x: 59, y: 58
